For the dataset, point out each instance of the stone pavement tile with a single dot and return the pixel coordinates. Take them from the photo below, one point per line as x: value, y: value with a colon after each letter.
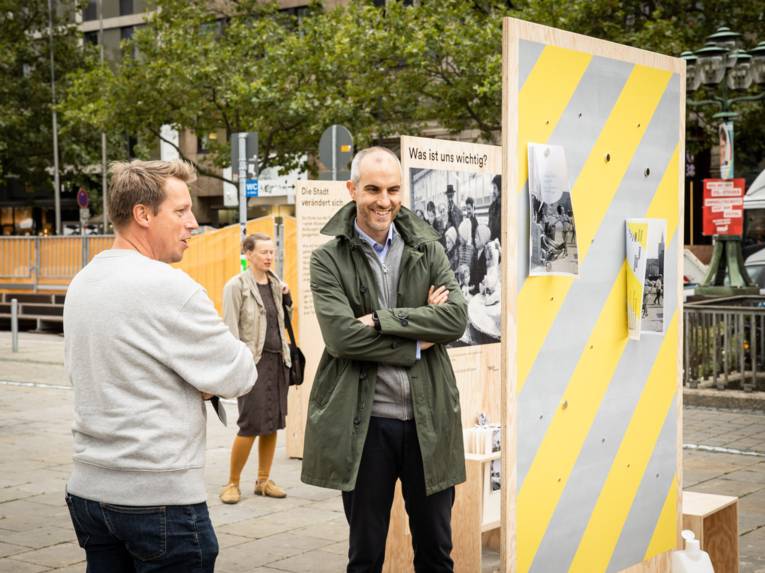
x: 23, y: 523
x: 51, y: 498
x: 7, y: 548
x: 313, y: 561
x: 55, y: 556
x: 312, y: 493
x: 754, y: 474
x: 77, y: 568
x: 691, y: 478
x: 41, y: 537
x: 725, y: 486
x: 35, y: 372
x: 332, y: 504
x: 11, y: 565
x: 245, y: 557
x: 277, y: 523
x: 340, y: 548
x: 336, y: 530
x: 753, y: 504
x: 750, y: 522
x: 228, y: 540
x: 752, y: 549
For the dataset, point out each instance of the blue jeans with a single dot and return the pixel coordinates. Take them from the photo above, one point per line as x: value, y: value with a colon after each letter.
x: 141, y: 539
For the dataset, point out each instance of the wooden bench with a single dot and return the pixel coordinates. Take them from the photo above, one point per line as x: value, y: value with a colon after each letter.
x: 714, y: 521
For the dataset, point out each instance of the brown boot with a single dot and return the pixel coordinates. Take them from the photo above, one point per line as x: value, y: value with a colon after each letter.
x: 230, y: 494
x: 269, y: 489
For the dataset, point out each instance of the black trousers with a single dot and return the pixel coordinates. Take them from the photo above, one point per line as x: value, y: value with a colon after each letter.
x: 392, y: 452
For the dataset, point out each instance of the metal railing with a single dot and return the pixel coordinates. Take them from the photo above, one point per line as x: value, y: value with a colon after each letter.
x: 724, y: 343
x: 40, y: 262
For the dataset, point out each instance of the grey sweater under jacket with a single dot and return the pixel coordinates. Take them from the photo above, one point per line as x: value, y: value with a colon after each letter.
x: 142, y: 341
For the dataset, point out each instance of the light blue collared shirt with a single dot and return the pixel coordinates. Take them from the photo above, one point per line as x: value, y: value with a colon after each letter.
x: 382, y: 251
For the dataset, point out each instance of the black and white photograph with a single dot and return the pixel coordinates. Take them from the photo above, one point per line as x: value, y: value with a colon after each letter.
x: 653, y: 285
x: 552, y: 228
x: 496, y: 439
x: 464, y: 208
x: 496, y: 475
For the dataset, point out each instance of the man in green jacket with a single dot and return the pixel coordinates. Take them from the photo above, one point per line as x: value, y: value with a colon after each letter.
x: 384, y: 404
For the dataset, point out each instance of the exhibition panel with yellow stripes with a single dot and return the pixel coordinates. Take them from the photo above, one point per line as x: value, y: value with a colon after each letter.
x: 593, y: 416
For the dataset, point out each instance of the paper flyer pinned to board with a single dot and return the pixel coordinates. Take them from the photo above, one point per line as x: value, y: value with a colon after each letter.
x: 645, y: 276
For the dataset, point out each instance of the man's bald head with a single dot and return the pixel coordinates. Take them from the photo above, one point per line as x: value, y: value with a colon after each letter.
x: 376, y: 154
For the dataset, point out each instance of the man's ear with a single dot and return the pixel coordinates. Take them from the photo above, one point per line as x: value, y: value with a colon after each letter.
x: 141, y: 215
x: 351, y: 189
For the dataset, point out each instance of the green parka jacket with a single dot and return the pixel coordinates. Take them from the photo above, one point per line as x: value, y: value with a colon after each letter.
x: 344, y: 288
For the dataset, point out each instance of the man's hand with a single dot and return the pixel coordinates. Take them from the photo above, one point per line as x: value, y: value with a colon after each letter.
x: 285, y: 288
x: 206, y: 396
x: 437, y: 295
x: 424, y: 344
x: 366, y: 320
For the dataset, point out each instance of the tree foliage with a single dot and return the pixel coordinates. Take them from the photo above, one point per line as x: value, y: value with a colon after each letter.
x: 243, y: 65
x: 26, y: 148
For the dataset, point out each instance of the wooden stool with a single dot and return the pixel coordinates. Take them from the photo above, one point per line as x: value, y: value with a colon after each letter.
x: 714, y: 521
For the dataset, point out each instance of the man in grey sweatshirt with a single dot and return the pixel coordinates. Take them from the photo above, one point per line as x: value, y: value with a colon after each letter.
x: 144, y: 347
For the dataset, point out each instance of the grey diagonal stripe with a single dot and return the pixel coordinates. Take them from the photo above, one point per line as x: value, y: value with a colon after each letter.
x: 567, y: 337
x: 649, y: 501
x: 572, y: 514
x: 594, y: 98
x: 528, y: 54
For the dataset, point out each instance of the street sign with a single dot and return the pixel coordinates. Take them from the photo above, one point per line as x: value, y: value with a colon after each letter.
x: 335, y: 153
x: 84, y: 215
x: 251, y: 188
x: 723, y: 209
x: 230, y: 192
x: 251, y: 153
x: 82, y: 198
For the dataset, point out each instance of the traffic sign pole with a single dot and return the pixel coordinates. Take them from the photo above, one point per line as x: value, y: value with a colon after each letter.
x: 242, y: 194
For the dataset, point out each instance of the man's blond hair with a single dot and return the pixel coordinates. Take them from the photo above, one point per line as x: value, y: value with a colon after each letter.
x: 142, y: 183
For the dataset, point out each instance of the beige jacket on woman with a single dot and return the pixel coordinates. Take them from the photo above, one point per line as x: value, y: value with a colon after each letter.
x: 245, y: 315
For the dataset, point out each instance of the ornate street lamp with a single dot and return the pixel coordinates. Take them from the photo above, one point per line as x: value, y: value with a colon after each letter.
x: 722, y: 64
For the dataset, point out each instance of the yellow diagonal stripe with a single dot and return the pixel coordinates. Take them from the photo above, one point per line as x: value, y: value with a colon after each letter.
x: 549, y: 472
x: 664, y: 537
x: 618, y: 492
x: 544, y: 97
x: 540, y: 300
x: 666, y: 201
x: 612, y: 154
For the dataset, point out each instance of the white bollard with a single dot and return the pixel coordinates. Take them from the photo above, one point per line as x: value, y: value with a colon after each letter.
x: 14, y: 325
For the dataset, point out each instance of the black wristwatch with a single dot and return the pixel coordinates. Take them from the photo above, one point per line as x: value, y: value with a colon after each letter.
x: 376, y: 321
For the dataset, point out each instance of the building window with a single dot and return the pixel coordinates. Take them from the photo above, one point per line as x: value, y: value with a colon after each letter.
x: 91, y: 11
x: 91, y: 38
x: 203, y: 141
x: 132, y: 142
x: 126, y: 34
x: 126, y: 7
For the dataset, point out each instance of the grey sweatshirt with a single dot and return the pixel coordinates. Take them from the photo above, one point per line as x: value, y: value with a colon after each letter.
x: 142, y: 340
x: 393, y: 396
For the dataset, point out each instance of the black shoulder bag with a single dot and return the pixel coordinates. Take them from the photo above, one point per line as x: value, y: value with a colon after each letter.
x: 297, y: 370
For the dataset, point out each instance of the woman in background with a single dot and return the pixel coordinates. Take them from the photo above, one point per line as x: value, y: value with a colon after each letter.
x: 253, y: 310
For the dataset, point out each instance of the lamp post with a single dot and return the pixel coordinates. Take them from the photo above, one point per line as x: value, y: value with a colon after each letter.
x: 722, y: 63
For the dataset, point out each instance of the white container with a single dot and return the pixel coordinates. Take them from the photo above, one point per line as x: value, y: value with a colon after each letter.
x: 693, y: 559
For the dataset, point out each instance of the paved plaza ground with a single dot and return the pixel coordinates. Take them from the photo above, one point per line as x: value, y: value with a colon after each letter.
x: 306, y: 532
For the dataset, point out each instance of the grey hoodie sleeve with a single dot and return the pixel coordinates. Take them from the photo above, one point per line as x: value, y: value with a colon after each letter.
x: 205, y: 354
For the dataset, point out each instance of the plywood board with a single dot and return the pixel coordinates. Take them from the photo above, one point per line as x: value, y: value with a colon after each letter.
x: 315, y: 203
x: 593, y: 418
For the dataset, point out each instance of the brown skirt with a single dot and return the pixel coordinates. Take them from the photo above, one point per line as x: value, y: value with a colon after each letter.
x: 264, y: 409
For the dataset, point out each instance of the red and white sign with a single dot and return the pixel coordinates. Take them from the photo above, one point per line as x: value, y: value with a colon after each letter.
x: 724, y: 207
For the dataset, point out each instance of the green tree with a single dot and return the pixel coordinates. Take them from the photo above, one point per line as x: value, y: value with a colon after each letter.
x: 379, y: 71
x: 26, y: 148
